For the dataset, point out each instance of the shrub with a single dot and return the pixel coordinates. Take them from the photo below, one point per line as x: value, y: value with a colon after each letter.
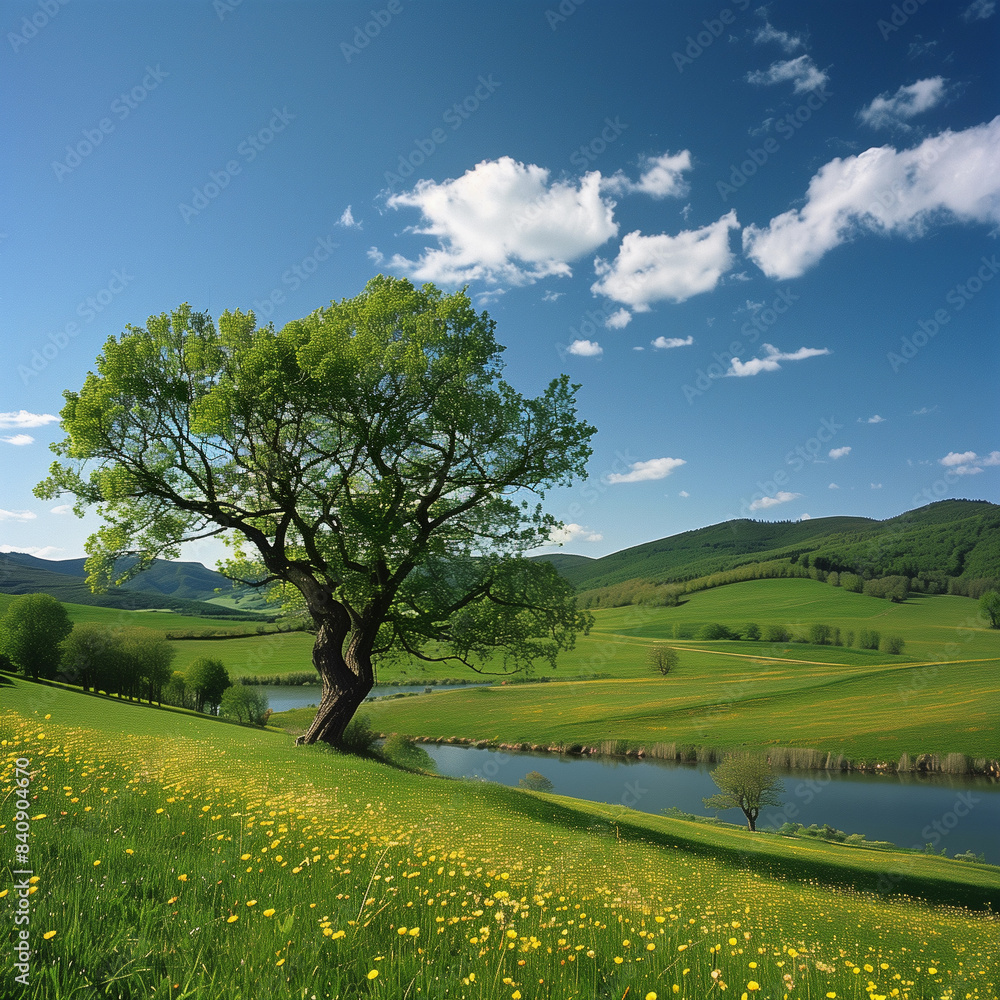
x: 893, y: 588
x: 714, y: 630
x: 819, y: 634
x: 751, y: 631
x: 868, y: 639
x: 244, y: 703
x: 777, y: 633
x: 851, y: 582
x: 849, y: 638
x: 405, y: 753
x: 833, y: 579
x: 892, y: 644
x: 359, y: 737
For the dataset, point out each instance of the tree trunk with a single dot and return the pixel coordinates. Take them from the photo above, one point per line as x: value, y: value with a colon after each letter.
x: 347, y: 680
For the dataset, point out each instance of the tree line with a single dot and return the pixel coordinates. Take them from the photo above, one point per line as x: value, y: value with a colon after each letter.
x: 38, y: 639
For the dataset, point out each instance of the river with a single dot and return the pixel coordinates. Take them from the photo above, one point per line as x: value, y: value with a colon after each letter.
x: 957, y: 814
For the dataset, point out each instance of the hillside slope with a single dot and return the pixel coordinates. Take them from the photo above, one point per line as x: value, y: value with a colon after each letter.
x: 952, y: 538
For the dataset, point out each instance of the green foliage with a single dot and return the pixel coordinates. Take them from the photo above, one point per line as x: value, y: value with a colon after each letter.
x: 244, y: 703
x: 820, y: 634
x: 359, y: 738
x: 989, y: 607
x: 746, y: 782
x: 663, y: 658
x: 892, y: 644
x: 536, y: 782
x: 852, y: 582
x: 894, y: 588
x: 367, y: 463
x: 405, y: 753
x: 777, y: 633
x: 31, y: 631
x: 868, y: 639
x: 750, y: 631
x: 713, y: 631
x: 207, y: 679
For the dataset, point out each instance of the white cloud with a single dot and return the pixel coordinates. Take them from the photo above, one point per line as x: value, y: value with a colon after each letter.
x: 17, y: 515
x: 979, y: 11
x: 662, y: 177
x: 504, y: 221
x: 665, y: 343
x: 684, y: 493
x: 833, y: 486
x: 39, y: 552
x: 650, y: 268
x: 347, y: 219
x: 876, y: 486
x: 888, y: 111
x: 655, y: 468
x: 22, y: 418
x: 63, y: 508
x: 375, y: 255
x: 923, y: 411
x: 551, y: 296
x: 874, y: 420
x: 802, y: 71
x: 586, y: 348
x: 806, y: 517
x: 968, y: 463
x: 618, y: 320
x: 573, y: 533
x: 836, y: 453
x: 884, y: 191
x: 18, y: 439
x: 770, y: 363
x: 782, y: 496
x: 769, y: 33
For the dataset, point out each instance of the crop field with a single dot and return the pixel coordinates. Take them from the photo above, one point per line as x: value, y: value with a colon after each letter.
x: 185, y: 857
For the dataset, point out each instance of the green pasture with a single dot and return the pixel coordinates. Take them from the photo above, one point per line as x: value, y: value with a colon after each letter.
x: 180, y: 856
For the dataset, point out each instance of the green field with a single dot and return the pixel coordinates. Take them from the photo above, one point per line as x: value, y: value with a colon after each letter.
x: 180, y: 856
x: 942, y: 697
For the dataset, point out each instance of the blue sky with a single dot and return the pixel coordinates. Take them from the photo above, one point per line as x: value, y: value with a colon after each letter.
x: 762, y: 239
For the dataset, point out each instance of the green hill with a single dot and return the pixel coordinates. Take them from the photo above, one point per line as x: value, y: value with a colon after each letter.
x: 169, y: 588
x: 954, y: 540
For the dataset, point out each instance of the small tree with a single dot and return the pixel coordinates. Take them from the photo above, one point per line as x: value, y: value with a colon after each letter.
x: 86, y: 653
x: 536, y: 781
x: 777, y: 633
x: 868, y: 638
x: 207, y: 679
x: 147, y: 658
x: 662, y: 658
x: 714, y: 630
x: 31, y: 631
x: 989, y: 607
x: 751, y: 631
x: 892, y: 644
x: 245, y: 703
x: 819, y: 634
x: 746, y: 782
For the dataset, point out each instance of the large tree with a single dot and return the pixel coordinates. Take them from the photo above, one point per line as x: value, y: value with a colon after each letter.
x: 746, y: 782
x: 31, y: 631
x: 368, y: 460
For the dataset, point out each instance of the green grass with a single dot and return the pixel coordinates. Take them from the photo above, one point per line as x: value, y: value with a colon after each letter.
x: 943, y: 697
x: 154, y: 833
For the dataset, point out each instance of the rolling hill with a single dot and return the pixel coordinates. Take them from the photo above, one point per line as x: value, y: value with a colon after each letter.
x: 952, y: 539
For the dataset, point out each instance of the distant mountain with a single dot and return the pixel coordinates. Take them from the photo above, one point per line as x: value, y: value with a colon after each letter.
x: 182, y: 587
x: 952, y: 538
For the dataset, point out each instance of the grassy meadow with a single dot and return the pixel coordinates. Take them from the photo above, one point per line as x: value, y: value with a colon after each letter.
x: 177, y: 856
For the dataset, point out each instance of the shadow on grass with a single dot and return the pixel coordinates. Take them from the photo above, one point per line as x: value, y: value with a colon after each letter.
x: 890, y: 878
